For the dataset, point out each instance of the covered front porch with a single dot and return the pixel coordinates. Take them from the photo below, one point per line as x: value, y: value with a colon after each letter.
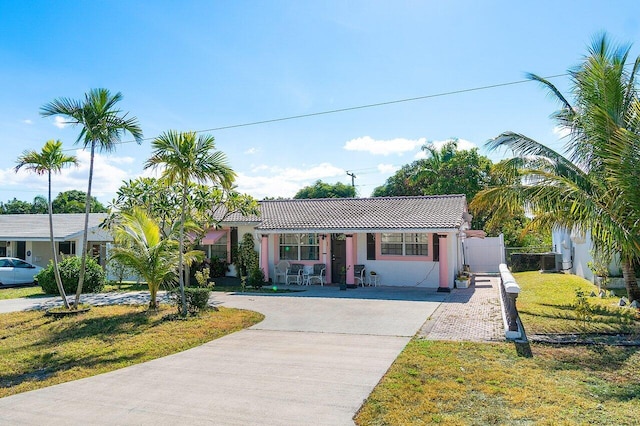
x: 408, y: 259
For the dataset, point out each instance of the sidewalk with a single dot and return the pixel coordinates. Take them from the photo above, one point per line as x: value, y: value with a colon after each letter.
x: 470, y: 314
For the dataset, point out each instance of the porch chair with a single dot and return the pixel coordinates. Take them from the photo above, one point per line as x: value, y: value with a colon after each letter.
x: 281, y: 271
x: 359, y: 274
x: 294, y: 273
x: 318, y: 273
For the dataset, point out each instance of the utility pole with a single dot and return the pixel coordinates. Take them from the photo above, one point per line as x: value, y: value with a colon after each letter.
x: 353, y: 177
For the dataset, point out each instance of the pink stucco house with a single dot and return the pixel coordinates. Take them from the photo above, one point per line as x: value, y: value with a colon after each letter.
x: 407, y: 241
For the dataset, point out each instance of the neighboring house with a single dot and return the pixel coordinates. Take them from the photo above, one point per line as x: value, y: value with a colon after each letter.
x: 26, y: 236
x: 407, y: 241
x: 577, y: 253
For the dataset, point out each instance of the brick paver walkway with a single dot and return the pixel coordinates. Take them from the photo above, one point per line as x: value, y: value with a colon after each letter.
x: 471, y: 314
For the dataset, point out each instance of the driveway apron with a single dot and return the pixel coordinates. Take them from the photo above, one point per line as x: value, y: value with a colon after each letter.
x: 313, y: 360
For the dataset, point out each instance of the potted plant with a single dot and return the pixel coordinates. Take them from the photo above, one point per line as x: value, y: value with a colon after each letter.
x: 462, y: 280
x: 343, y: 278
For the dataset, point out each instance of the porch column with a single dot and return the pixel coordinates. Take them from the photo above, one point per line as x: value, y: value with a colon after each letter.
x: 349, y: 250
x: 264, y: 256
x: 443, y: 265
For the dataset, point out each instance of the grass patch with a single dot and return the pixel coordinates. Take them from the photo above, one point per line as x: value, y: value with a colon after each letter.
x: 546, y: 305
x: 453, y: 383
x: 16, y: 292
x: 39, y: 351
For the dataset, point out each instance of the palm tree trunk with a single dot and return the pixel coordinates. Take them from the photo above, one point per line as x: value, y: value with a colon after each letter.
x: 56, y: 271
x: 183, y: 297
x: 630, y: 281
x: 87, y: 210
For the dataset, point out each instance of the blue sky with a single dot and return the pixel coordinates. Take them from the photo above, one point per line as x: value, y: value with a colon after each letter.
x: 195, y: 65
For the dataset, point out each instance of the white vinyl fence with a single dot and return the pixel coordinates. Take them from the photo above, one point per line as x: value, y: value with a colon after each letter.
x: 484, y: 254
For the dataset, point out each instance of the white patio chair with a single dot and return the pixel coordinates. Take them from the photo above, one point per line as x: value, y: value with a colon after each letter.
x: 359, y: 274
x: 281, y: 271
x: 318, y: 273
x: 294, y: 273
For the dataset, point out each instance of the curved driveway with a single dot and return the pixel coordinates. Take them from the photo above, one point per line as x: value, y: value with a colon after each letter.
x: 313, y: 360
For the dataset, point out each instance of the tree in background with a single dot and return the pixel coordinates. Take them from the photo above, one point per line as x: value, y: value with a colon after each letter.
x: 451, y: 171
x: 48, y: 161
x: 445, y: 171
x: 325, y: 190
x: 594, y: 188
x: 16, y: 206
x: 103, y: 126
x: 206, y: 206
x: 73, y: 201
x: 184, y: 157
x: 40, y: 204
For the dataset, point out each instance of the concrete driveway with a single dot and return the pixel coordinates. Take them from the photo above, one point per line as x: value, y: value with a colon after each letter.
x: 313, y: 360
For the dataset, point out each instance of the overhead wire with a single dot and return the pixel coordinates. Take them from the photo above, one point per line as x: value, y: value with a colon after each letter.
x: 359, y: 107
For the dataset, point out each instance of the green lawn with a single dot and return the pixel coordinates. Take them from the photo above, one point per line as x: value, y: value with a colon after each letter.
x: 16, y: 292
x: 463, y: 383
x: 39, y: 351
x: 452, y: 383
x: 546, y: 306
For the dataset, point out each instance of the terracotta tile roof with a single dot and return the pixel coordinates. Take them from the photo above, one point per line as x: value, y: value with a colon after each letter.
x: 353, y: 214
x: 36, y: 226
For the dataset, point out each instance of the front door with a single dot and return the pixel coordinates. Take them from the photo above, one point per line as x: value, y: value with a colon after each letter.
x: 338, y: 257
x: 21, y: 252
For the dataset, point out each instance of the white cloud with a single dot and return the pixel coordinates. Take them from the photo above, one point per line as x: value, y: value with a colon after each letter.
x: 27, y: 121
x: 251, y: 151
x: 463, y: 145
x: 561, y: 131
x: 59, y: 122
x: 383, y: 147
x: 387, y: 168
x: 284, y: 181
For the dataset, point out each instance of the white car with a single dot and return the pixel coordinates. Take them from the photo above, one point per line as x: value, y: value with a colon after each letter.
x: 17, y: 271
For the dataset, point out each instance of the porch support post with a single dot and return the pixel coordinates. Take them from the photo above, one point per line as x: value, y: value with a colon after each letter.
x: 264, y: 256
x: 349, y: 250
x: 443, y: 265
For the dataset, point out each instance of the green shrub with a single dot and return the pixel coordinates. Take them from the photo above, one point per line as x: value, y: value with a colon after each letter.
x: 197, y: 299
x: 256, y: 277
x: 219, y: 267
x: 94, y: 278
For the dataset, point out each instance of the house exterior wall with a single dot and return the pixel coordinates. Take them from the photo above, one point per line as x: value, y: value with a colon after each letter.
x: 577, y: 254
x: 415, y: 271
x: 41, y: 253
x: 408, y: 271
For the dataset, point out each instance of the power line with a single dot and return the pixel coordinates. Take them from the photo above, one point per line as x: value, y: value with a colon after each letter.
x: 365, y: 106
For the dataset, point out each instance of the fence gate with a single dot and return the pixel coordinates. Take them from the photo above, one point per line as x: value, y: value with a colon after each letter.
x: 483, y: 254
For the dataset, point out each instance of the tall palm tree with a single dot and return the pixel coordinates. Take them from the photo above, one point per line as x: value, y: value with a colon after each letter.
x: 50, y: 160
x: 140, y: 246
x: 594, y: 186
x: 103, y: 126
x: 184, y: 157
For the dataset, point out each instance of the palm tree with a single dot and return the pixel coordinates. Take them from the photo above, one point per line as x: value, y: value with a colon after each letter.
x: 50, y: 160
x: 142, y: 248
x: 185, y: 157
x: 103, y: 126
x: 594, y: 187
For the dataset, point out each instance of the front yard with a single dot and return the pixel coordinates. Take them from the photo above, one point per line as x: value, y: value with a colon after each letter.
x: 463, y: 383
x: 39, y: 351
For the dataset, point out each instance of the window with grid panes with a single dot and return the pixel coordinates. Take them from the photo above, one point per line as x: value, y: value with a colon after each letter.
x: 299, y: 247
x: 408, y: 244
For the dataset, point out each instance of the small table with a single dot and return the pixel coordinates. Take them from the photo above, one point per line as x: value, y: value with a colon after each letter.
x: 374, y: 279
